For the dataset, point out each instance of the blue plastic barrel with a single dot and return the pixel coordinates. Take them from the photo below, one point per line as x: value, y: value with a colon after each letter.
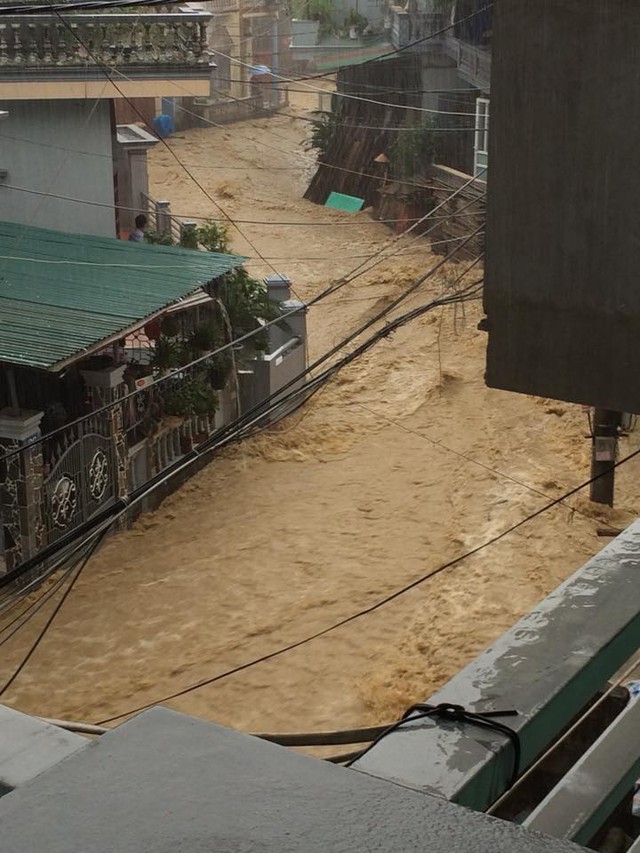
x: 163, y: 125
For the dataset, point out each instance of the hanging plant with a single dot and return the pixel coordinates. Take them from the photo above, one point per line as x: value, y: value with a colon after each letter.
x: 166, y: 354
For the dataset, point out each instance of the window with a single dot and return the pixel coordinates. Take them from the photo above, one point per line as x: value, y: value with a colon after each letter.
x: 481, y: 145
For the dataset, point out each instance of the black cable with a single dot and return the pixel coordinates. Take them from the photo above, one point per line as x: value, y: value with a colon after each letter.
x: 448, y: 712
x: 42, y: 633
x: 224, y: 435
x: 469, y: 459
x: 32, y: 608
x: 394, y: 52
x: 57, y: 8
x: 108, y: 73
x: 339, y: 737
x: 332, y: 288
x: 229, y: 432
x: 100, y: 535
x: 378, y: 604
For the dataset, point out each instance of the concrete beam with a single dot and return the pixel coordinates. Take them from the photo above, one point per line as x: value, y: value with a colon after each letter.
x: 581, y: 802
x: 547, y: 667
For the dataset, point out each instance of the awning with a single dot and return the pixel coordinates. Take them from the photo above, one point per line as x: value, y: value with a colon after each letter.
x: 63, y: 295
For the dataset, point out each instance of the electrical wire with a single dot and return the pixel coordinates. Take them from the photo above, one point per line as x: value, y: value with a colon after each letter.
x: 362, y: 98
x: 58, y: 8
x: 396, y: 51
x: 32, y: 609
x: 378, y: 257
x: 253, y: 417
x: 24, y: 9
x: 109, y: 76
x: 376, y: 605
x: 264, y: 222
x: 470, y: 459
x: 102, y: 532
x: 42, y: 633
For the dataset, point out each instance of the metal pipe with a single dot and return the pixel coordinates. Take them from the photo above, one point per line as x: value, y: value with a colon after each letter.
x: 80, y: 728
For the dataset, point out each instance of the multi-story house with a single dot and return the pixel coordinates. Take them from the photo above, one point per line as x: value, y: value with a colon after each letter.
x: 61, y: 78
x: 109, y: 364
x: 453, y: 39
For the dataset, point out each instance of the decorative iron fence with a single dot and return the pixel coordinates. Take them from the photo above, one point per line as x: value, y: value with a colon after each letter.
x: 79, y: 474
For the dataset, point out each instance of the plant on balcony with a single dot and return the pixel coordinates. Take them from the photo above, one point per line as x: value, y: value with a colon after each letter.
x: 159, y: 238
x: 214, y: 237
x: 201, y: 340
x: 413, y: 150
x: 167, y: 354
x: 170, y: 326
x: 357, y: 21
x: 247, y: 302
x: 220, y: 370
x: 316, y: 10
x: 195, y: 397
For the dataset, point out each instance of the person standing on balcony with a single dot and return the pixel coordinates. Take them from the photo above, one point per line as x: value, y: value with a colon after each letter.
x: 137, y: 235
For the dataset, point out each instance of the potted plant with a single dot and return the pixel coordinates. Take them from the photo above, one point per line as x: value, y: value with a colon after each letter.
x: 166, y: 355
x: 220, y: 369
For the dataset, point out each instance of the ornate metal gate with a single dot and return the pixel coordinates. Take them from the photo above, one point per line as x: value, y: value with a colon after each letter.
x: 82, y: 476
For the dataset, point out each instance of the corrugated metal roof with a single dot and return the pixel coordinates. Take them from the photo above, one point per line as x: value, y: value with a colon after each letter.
x: 63, y: 293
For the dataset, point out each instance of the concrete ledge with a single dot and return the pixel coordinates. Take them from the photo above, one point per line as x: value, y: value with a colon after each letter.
x: 547, y: 667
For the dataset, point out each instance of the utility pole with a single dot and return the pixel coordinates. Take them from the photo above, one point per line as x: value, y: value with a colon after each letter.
x: 606, y: 428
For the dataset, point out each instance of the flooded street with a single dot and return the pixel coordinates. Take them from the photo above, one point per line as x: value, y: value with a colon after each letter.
x: 403, y: 462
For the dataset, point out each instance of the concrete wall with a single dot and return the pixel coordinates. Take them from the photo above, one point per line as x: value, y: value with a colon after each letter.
x: 561, y: 294
x: 63, y: 147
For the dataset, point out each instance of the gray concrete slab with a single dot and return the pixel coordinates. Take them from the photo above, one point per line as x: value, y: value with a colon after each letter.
x: 547, y: 667
x: 581, y: 802
x: 166, y: 783
x: 29, y: 746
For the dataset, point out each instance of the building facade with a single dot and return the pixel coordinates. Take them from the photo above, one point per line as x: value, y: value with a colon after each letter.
x: 60, y: 82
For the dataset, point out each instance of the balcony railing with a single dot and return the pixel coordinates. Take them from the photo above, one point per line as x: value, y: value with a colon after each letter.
x: 474, y: 63
x: 37, y: 41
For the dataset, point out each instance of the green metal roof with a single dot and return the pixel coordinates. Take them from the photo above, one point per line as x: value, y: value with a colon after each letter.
x: 61, y: 294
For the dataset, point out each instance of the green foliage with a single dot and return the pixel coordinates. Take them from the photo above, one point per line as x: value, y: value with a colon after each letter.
x: 355, y: 19
x: 201, y: 340
x: 167, y: 353
x: 315, y: 10
x: 195, y: 397
x: 323, y: 130
x: 413, y: 150
x: 212, y: 236
x: 247, y: 301
x: 159, y: 238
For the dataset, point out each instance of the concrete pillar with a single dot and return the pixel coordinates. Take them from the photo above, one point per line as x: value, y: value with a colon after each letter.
x: 21, y: 486
x: 104, y: 388
x: 163, y: 217
x: 297, y: 321
x: 139, y: 180
x: 278, y: 287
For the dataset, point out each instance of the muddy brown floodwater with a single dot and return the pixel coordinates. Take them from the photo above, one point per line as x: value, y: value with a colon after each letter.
x: 403, y: 462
